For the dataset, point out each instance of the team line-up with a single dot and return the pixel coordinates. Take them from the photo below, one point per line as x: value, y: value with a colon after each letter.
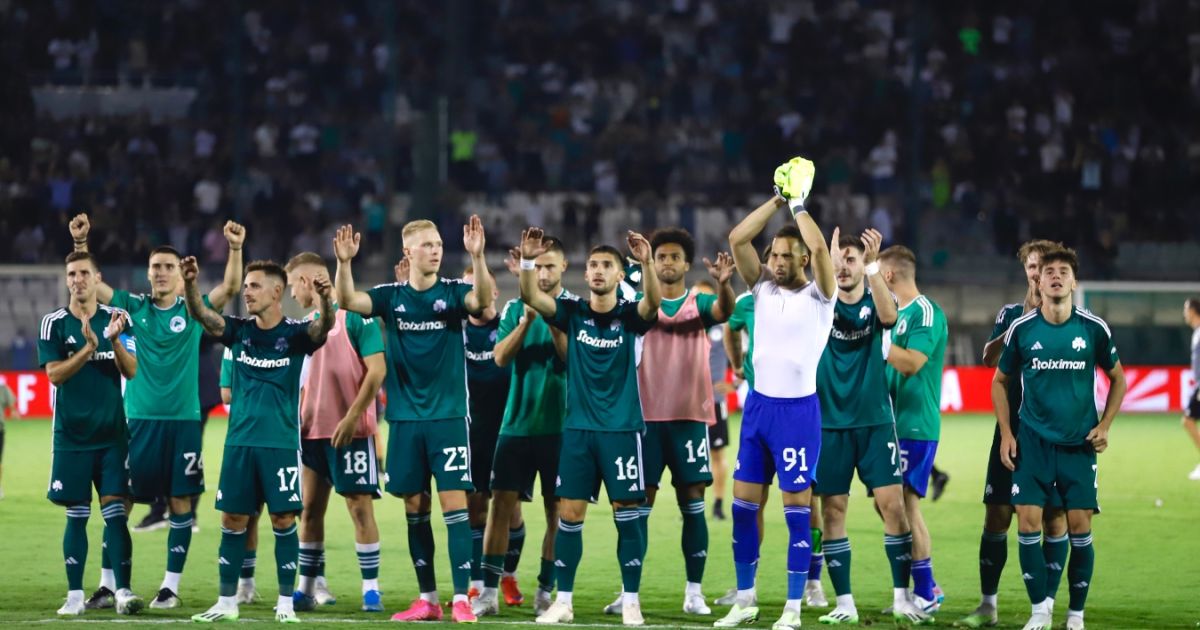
x: 843, y: 361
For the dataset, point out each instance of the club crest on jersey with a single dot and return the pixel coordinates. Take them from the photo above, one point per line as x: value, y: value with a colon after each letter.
x: 281, y: 344
x: 177, y: 324
x: 492, y: 336
x: 1078, y: 344
x: 615, y: 325
x: 439, y: 306
x: 864, y: 312
x: 902, y: 327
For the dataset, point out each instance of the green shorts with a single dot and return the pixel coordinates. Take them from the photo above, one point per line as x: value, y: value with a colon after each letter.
x: 253, y: 475
x: 430, y: 448
x: 997, y: 485
x: 521, y: 458
x: 73, y: 474
x: 351, y: 469
x: 872, y: 450
x: 165, y: 459
x: 1053, y: 474
x: 587, y: 457
x: 483, y: 452
x: 682, y: 446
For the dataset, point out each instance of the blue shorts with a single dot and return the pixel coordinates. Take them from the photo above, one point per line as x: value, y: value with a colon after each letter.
x: 780, y: 434
x: 916, y: 463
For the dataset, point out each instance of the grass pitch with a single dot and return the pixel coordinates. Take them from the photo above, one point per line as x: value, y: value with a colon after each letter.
x: 1147, y: 550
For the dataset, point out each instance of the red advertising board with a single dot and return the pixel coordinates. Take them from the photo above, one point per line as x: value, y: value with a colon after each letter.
x: 966, y: 389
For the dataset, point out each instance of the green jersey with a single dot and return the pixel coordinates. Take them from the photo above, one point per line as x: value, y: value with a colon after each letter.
x: 602, y: 385
x: 1007, y: 315
x: 1057, y: 366
x: 481, y: 352
x: 426, y: 378
x: 537, y: 394
x: 743, y: 319
x: 88, y: 414
x: 920, y: 326
x: 852, y: 376
x: 265, y: 378
x: 168, y: 382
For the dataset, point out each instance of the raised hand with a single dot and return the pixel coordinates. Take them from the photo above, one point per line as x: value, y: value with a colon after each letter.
x: 531, y: 243
x: 79, y: 226
x: 639, y: 247
x: 872, y: 241
x: 345, y: 243
x: 323, y: 288
x: 401, y: 270
x: 189, y: 269
x: 722, y: 270
x: 473, y: 239
x: 513, y: 262
x: 235, y: 234
x: 835, y: 249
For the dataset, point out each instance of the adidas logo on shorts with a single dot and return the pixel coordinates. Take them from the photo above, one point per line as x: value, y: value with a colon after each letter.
x: 294, y: 497
x: 633, y: 488
x: 466, y: 476
x: 704, y: 468
x: 362, y: 481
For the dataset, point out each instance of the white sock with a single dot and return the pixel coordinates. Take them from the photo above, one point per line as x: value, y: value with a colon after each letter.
x: 75, y: 597
x: 811, y: 582
x: 124, y: 593
x: 171, y: 581
x: 989, y: 600
x: 692, y: 588
x: 1070, y: 613
x: 477, y: 585
x: 459, y: 598
x: 306, y: 584
x: 564, y: 597
x: 1049, y: 605
x: 506, y: 574
x: 489, y: 592
x: 432, y: 598
x: 370, y: 585
x: 793, y: 605
x: 630, y: 598
x: 227, y: 602
x: 899, y: 596
x: 320, y: 579
x: 284, y: 604
x: 846, y: 602
x: 108, y: 579
x: 746, y: 597
x: 246, y: 582
x: 1041, y: 608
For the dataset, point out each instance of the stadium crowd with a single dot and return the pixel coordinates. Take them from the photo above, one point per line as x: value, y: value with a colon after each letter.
x: 1019, y: 110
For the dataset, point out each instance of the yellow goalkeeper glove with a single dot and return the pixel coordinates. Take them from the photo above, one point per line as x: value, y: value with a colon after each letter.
x: 793, y: 181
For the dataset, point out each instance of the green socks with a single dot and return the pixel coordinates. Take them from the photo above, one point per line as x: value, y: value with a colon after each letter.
x: 477, y: 554
x: 568, y: 551
x: 492, y: 566
x: 1079, y: 571
x: 287, y: 552
x: 631, y: 547
x: 1055, y: 552
x: 75, y: 545
x: 229, y: 560
x: 179, y: 540
x: 899, y: 555
x: 837, y: 560
x: 116, y: 539
x: 694, y: 541
x: 516, y: 544
x: 458, y: 538
x: 545, y: 576
x: 1033, y: 565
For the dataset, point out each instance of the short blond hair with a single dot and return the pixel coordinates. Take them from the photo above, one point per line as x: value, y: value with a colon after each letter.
x: 305, y: 258
x: 901, y: 259
x: 412, y: 227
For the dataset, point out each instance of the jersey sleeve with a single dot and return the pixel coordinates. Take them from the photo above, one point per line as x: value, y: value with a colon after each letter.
x: 461, y: 291
x: 509, y: 318
x: 921, y: 336
x: 1010, y: 358
x: 1106, y: 350
x: 225, y: 380
x: 233, y: 325
x: 381, y: 298
x: 50, y: 346
x: 299, y: 341
x: 565, y: 307
x: 1002, y: 321
x: 364, y: 334
x: 705, y: 303
x: 633, y: 320
x: 123, y: 299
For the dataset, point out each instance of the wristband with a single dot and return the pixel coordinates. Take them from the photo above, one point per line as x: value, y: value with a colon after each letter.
x: 872, y: 268
x: 527, y: 265
x: 797, y: 206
